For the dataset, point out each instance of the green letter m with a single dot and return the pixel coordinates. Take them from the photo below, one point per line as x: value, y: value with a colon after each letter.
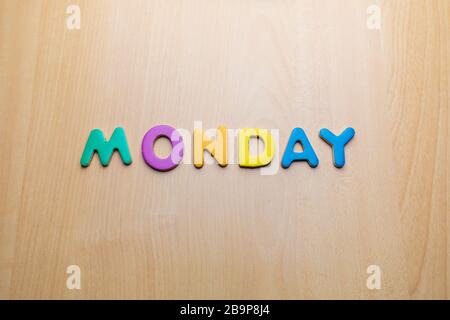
x: 105, y: 149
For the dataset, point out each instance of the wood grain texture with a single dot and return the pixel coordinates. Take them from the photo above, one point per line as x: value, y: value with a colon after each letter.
x: 225, y: 233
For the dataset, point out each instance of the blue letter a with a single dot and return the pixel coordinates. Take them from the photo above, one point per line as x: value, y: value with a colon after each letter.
x: 308, y: 154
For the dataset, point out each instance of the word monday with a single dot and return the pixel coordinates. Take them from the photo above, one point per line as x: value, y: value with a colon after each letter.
x: 217, y: 147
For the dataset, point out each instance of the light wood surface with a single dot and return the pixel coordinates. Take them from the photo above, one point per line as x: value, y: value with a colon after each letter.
x: 225, y: 233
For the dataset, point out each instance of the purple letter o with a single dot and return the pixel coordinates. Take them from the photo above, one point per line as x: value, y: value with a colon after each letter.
x: 148, y: 152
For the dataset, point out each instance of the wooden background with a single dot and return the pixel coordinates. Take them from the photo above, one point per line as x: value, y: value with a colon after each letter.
x: 225, y: 233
